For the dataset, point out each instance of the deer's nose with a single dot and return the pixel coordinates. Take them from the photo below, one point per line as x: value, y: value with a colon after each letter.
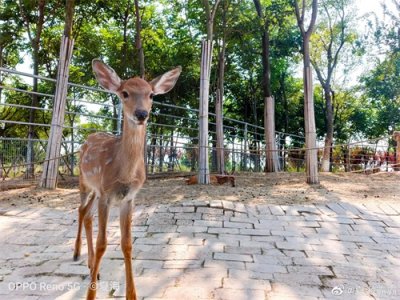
x: 141, y: 114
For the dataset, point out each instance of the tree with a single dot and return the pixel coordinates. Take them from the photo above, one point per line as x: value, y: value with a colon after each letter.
x: 271, y: 163
x: 204, y: 176
x: 10, y: 33
x: 34, y: 27
x: 332, y: 33
x: 309, y: 116
x: 382, y: 84
x: 219, y: 98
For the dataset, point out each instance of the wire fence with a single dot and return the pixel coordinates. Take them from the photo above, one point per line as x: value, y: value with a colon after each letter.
x: 172, y: 134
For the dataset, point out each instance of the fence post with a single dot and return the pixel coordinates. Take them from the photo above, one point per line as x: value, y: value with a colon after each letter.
x: 50, y: 166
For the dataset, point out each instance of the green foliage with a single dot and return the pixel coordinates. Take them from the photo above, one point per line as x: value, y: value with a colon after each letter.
x: 171, y: 34
x: 382, y: 84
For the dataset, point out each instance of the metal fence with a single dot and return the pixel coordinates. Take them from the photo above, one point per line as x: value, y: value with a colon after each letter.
x: 172, y: 135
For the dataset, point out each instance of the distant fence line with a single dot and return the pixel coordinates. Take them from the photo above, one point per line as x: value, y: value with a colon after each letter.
x: 172, y: 135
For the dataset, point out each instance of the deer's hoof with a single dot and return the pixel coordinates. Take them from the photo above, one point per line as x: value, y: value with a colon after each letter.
x: 76, y: 256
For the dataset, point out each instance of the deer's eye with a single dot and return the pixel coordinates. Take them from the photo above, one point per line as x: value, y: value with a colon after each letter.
x: 151, y: 95
x: 125, y: 94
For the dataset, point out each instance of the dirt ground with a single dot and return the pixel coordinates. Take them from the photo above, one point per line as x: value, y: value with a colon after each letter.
x: 279, y: 188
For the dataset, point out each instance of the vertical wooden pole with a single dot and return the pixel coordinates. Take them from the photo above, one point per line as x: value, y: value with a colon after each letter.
x: 203, y: 172
x: 50, y: 166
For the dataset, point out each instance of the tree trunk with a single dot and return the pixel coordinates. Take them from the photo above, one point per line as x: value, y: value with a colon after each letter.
x: 125, y: 39
x: 153, y: 151
x: 396, y: 137
x: 309, y: 114
x: 161, y: 146
x: 31, y: 128
x: 138, y: 40
x: 1, y: 65
x: 35, y: 43
x: 310, y: 130
x: 205, y: 68
x: 286, y: 124
x: 220, y: 133
x: 309, y: 118
x: 204, y: 173
x: 171, y: 152
x: 271, y: 157
x: 219, y: 100
x: 329, y: 129
x: 271, y: 154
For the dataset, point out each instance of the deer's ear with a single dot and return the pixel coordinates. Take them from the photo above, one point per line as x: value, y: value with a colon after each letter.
x: 106, y: 76
x: 164, y: 83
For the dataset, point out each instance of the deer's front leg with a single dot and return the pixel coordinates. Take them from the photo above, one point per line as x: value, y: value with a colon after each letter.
x: 126, y: 245
x: 84, y: 214
x: 101, y: 245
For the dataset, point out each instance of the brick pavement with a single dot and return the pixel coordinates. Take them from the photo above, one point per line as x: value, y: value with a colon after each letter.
x: 212, y: 250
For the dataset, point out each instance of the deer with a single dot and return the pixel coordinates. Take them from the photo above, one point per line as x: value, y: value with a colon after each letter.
x: 214, y: 179
x: 112, y: 168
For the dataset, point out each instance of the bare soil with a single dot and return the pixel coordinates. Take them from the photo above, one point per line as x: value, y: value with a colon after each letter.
x: 251, y: 188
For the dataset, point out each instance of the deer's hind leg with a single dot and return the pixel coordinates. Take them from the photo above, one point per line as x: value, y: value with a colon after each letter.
x: 126, y: 210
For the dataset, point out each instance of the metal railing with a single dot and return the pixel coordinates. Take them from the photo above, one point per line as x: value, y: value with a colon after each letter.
x: 172, y: 134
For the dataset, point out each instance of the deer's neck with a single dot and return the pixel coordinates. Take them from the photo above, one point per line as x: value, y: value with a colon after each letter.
x: 132, y: 142
x: 130, y: 155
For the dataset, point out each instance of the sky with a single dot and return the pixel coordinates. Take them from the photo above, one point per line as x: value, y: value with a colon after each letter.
x: 366, y: 6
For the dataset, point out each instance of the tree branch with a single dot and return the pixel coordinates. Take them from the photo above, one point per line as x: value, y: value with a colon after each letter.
x: 214, y: 10
x: 207, y: 8
x: 299, y: 18
x: 313, y: 18
x: 257, y: 4
x: 40, y: 21
x: 320, y: 76
x: 26, y: 21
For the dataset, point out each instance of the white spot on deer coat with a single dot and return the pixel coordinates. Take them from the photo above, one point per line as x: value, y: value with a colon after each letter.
x: 96, y: 170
